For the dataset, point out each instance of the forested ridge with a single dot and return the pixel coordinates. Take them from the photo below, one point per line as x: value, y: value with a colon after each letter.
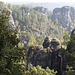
x: 35, y: 23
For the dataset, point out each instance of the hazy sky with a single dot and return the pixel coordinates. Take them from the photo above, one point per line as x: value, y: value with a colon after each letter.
x: 38, y: 0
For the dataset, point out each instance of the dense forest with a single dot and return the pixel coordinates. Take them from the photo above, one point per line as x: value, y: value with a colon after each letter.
x: 36, y: 35
x: 35, y: 23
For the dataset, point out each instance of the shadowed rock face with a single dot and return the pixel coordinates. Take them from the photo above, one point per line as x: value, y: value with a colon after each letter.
x: 51, y: 55
x: 33, y: 50
x: 71, y: 43
x: 72, y: 33
x: 47, y: 42
x: 37, y: 56
x: 55, y: 44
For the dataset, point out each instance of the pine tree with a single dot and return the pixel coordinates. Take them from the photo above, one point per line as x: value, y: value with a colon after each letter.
x: 10, y: 54
x: 38, y: 70
x: 71, y: 55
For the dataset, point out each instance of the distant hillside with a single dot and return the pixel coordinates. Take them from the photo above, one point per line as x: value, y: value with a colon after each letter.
x: 65, y: 17
x: 35, y: 23
x: 38, y: 22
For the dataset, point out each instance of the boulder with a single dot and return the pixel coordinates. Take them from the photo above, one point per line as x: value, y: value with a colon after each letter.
x: 55, y: 44
x: 47, y: 42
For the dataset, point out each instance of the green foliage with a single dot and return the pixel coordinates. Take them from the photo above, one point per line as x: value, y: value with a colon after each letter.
x: 70, y: 71
x: 71, y: 56
x: 71, y: 63
x: 32, y: 41
x: 72, y: 51
x: 27, y: 23
x: 32, y: 22
x: 66, y: 39
x: 38, y: 70
x: 10, y: 54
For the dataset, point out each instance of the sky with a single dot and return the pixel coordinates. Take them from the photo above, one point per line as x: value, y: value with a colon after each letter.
x: 38, y: 1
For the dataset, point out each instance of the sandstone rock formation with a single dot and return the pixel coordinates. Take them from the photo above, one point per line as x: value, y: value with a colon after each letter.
x: 65, y: 16
x: 54, y: 44
x: 47, y: 42
x: 52, y: 55
x: 8, y: 13
x: 43, y: 10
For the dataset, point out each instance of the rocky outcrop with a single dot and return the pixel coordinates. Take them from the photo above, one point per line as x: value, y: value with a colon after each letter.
x: 10, y: 21
x: 42, y: 10
x: 53, y: 44
x: 47, y: 42
x: 65, y: 16
x: 51, y: 55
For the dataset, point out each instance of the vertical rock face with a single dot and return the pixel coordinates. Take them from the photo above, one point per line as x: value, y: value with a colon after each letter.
x: 11, y: 21
x: 8, y: 13
x: 65, y: 16
x: 55, y: 44
x: 47, y: 42
x: 52, y: 55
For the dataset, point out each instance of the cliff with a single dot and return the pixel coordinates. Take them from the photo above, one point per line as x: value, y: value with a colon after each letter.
x: 65, y: 16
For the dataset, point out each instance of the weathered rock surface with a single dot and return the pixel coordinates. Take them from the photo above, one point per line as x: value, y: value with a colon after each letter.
x: 65, y: 16
x: 52, y: 55
x: 8, y: 13
x: 47, y: 42
x: 42, y: 10
x: 54, y: 44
